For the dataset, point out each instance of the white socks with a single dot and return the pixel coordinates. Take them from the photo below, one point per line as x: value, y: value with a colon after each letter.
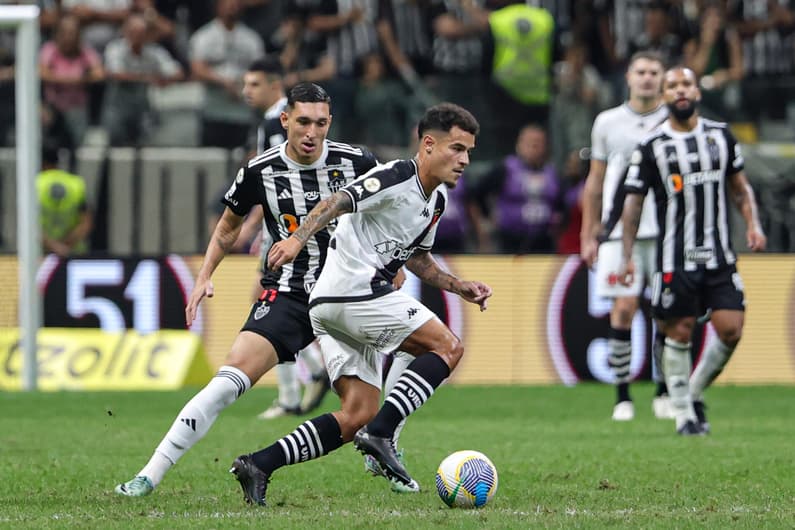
x: 195, y: 419
x: 710, y: 366
x: 400, y: 360
x: 676, y: 367
x: 312, y: 357
x: 289, y: 385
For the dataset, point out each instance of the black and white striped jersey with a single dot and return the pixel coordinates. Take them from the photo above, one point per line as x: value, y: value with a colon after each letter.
x: 287, y: 191
x: 392, y: 218
x: 689, y: 172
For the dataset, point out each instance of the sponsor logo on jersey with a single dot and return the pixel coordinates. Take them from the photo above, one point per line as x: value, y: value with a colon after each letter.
x: 290, y: 222
x: 383, y: 339
x: 702, y: 177
x: 393, y: 249
x: 285, y: 194
x: 412, y: 311
x: 311, y: 195
x: 699, y: 254
x: 240, y: 174
x: 676, y: 182
x: 359, y: 190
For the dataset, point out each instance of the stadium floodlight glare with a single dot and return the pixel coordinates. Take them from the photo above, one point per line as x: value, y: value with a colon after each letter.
x: 25, y: 19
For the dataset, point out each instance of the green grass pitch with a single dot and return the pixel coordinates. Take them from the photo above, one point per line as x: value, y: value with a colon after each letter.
x: 562, y: 463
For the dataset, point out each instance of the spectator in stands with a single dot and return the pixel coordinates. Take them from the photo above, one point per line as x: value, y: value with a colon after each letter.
x: 132, y: 66
x: 767, y: 29
x: 522, y: 196
x: 100, y: 19
x: 519, y: 48
x: 305, y: 56
x: 160, y: 28
x: 349, y: 26
x: 657, y: 35
x: 575, y: 102
x: 220, y: 53
x: 716, y: 57
x: 574, y: 174
x: 6, y: 86
x: 378, y: 95
x: 67, y: 66
x: 66, y: 220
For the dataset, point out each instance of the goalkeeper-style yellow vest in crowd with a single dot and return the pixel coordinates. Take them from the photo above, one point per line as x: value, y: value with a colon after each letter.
x: 62, y: 199
x: 523, y: 52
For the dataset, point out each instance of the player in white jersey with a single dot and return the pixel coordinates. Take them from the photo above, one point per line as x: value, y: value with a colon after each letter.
x: 614, y: 136
x: 355, y: 312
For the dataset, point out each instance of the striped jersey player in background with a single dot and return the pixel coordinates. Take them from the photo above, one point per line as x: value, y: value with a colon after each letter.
x: 287, y: 180
x: 263, y: 90
x: 695, y: 167
x: 356, y: 313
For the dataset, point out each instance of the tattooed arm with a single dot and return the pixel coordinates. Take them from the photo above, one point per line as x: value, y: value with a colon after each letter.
x: 630, y: 218
x: 428, y: 270
x: 221, y: 242
x: 743, y: 196
x: 321, y: 215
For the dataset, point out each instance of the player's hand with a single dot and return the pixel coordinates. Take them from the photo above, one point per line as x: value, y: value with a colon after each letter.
x: 202, y: 288
x: 476, y: 293
x: 283, y: 252
x: 589, y: 249
x: 400, y: 278
x: 626, y: 273
x: 756, y: 239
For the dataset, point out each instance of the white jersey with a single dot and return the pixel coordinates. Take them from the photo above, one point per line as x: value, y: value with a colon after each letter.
x: 392, y: 218
x: 615, y: 134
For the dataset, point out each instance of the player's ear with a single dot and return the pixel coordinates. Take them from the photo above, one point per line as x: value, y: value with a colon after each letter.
x: 284, y: 118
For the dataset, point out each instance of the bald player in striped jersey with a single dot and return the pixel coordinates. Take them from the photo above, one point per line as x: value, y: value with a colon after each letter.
x: 695, y: 167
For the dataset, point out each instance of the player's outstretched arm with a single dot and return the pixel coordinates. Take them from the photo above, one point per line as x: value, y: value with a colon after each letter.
x: 630, y: 218
x: 592, y: 211
x: 427, y: 269
x: 321, y: 215
x: 743, y: 196
x: 221, y: 242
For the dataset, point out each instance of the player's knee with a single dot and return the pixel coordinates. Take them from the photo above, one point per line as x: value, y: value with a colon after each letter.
x: 730, y: 336
x: 452, y: 352
x: 355, y: 416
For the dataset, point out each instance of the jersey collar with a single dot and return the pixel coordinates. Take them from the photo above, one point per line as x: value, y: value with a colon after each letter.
x: 667, y: 129
x: 292, y: 164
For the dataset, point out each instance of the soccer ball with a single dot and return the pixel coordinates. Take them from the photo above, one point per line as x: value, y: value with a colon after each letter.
x: 466, y: 479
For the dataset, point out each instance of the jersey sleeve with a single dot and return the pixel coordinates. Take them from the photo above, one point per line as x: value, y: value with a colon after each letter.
x: 369, y: 192
x: 598, y: 139
x: 242, y: 194
x: 737, y: 162
x: 640, y: 171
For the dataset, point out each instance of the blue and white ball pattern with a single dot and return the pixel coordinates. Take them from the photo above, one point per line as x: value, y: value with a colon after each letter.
x: 466, y: 479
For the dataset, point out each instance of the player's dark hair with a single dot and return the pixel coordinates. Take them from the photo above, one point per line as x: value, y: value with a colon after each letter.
x: 307, y: 93
x: 649, y: 55
x: 270, y: 65
x: 49, y: 152
x: 445, y: 116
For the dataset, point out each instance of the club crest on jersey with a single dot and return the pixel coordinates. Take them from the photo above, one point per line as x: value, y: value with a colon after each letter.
x: 261, y: 311
x: 667, y: 299
x: 336, y: 180
x: 372, y: 184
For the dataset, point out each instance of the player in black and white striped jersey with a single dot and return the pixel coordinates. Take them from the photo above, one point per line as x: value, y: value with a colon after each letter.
x: 356, y: 314
x: 287, y: 181
x: 694, y: 166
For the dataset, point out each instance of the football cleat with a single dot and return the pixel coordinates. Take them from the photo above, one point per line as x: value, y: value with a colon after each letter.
x: 372, y: 467
x: 624, y: 411
x: 314, y: 393
x: 252, y: 479
x: 277, y: 410
x: 382, y: 450
x: 690, y: 428
x: 701, y: 416
x: 140, y: 486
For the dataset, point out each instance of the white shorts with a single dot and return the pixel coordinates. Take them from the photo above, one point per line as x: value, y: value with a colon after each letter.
x: 352, y: 335
x: 644, y: 255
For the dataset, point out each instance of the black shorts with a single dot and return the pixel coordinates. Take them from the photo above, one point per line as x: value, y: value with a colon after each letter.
x: 690, y: 293
x: 283, y: 319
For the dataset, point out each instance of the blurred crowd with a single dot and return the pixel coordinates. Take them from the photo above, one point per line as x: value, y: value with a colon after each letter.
x: 111, y: 69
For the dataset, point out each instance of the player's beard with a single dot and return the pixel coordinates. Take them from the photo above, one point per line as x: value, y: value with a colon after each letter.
x: 680, y: 113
